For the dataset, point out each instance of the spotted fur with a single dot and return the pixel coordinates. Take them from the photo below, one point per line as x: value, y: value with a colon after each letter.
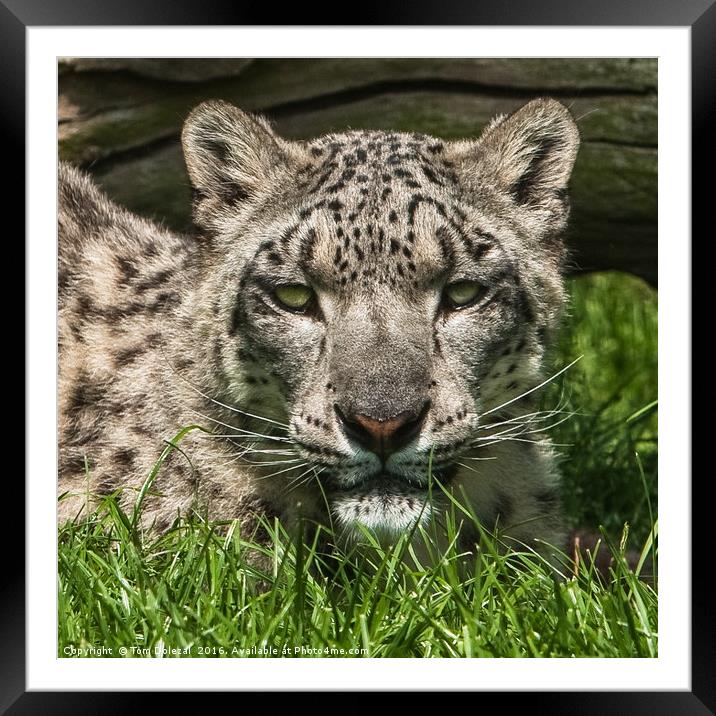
x: 159, y: 331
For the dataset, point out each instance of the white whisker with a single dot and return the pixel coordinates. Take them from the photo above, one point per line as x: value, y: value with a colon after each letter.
x: 241, y: 430
x: 536, y: 416
x: 293, y: 484
x: 260, y: 463
x: 234, y: 409
x: 281, y: 472
x: 469, y: 467
x: 532, y: 390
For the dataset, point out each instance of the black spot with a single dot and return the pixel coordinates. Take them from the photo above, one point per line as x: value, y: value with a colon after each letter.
x: 445, y: 244
x: 479, y: 250
x: 127, y: 268
x: 183, y: 363
x: 106, y: 485
x: 128, y: 355
x: 125, y: 457
x: 153, y: 281
x: 394, y: 247
x: 236, y: 315
x: 392, y: 217
x: 86, y: 393
x: 287, y: 234
x: 163, y: 301
x: 430, y: 175
x: 73, y: 464
x: 412, y: 207
x: 141, y: 430
x: 308, y: 244
x: 525, y: 307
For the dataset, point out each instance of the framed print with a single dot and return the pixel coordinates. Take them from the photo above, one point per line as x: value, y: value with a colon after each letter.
x: 356, y: 354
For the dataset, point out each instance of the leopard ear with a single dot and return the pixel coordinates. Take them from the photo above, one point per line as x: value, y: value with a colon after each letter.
x: 529, y: 156
x: 230, y: 156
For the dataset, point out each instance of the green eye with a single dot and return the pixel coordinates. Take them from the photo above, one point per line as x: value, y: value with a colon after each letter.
x: 463, y: 293
x: 295, y: 296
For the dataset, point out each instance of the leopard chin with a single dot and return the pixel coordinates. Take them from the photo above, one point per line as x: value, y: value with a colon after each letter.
x: 385, y: 504
x: 386, y: 510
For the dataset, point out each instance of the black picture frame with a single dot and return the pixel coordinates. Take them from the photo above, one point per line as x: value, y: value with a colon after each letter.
x: 699, y: 15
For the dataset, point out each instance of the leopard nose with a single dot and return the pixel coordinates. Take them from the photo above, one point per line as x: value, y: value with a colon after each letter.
x: 383, y: 437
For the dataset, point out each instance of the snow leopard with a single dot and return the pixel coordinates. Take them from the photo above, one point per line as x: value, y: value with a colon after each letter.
x: 355, y: 332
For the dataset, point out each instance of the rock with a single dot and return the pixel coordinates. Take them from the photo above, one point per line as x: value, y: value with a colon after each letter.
x: 122, y: 119
x: 190, y: 69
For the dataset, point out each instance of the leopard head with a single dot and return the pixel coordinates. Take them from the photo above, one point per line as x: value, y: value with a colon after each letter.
x: 380, y: 293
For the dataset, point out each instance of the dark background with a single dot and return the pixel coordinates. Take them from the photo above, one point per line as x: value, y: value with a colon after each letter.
x: 121, y: 119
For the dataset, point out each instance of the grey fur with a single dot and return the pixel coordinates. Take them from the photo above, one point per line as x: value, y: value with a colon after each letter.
x: 158, y: 331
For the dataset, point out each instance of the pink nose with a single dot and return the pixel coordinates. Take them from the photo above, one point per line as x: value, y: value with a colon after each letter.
x: 384, y: 437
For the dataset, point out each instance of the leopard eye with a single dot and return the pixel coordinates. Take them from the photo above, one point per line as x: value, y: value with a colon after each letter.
x: 462, y: 294
x: 294, y: 296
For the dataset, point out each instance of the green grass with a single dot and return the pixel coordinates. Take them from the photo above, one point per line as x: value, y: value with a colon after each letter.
x: 198, y: 591
x: 613, y: 326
